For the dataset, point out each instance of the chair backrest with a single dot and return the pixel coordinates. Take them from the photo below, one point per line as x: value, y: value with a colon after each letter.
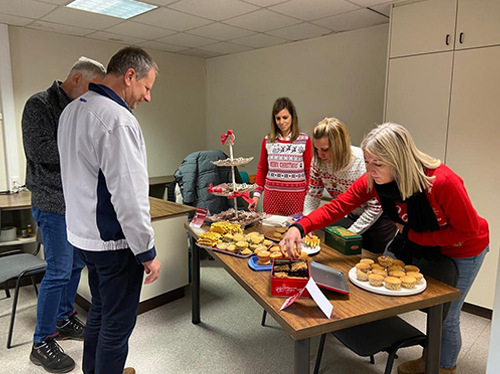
x: 443, y: 269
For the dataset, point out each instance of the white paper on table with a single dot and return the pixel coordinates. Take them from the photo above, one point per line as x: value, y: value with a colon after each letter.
x: 319, y: 298
x: 275, y: 220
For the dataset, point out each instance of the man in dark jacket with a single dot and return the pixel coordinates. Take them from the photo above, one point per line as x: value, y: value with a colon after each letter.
x: 55, y: 313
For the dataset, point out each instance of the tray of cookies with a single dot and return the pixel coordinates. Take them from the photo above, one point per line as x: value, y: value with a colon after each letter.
x: 276, y: 234
x: 243, y: 218
x: 228, y: 238
x: 388, y: 276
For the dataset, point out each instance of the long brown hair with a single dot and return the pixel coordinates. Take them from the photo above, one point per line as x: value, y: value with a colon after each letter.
x: 340, y: 143
x: 279, y: 105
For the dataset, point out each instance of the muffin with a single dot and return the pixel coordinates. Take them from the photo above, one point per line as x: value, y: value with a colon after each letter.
x: 392, y: 283
x: 231, y: 248
x: 379, y: 272
x: 377, y: 266
x: 362, y: 276
x: 412, y: 268
x: 376, y: 280
x: 408, y: 282
x: 385, y: 261
x: 264, y: 258
x: 239, y: 237
x: 246, y: 251
x: 267, y: 242
x: 368, y: 261
x: 276, y: 255
x: 397, y: 273
x: 274, y: 249
x: 256, y: 239
x: 418, y: 276
x: 241, y: 245
x: 395, y: 268
x: 399, y: 263
x: 365, y: 268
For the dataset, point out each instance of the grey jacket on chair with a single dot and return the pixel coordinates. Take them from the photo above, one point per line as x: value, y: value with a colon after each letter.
x: 194, y: 176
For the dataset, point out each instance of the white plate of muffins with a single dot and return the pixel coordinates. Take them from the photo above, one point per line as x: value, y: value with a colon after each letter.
x: 387, y: 276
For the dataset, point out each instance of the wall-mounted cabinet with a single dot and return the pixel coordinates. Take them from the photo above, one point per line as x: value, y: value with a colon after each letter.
x: 448, y: 97
x: 443, y: 25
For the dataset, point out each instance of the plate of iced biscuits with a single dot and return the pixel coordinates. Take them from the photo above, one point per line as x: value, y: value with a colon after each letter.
x: 387, y: 276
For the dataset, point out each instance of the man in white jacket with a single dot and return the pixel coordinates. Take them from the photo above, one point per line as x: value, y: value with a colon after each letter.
x: 105, y: 184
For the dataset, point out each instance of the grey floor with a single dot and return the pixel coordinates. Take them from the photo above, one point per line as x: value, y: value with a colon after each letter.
x: 229, y: 340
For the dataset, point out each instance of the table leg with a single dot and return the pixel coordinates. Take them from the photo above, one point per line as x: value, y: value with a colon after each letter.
x: 301, y: 353
x: 195, y: 290
x: 433, y: 348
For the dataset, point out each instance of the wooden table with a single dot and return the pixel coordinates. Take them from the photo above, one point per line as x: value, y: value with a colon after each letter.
x: 304, y: 319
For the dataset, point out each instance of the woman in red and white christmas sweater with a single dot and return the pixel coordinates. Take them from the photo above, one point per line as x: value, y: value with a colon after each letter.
x: 431, y: 208
x: 285, y: 161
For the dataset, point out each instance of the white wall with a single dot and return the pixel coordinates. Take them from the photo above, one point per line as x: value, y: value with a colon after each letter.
x: 173, y: 122
x: 339, y: 75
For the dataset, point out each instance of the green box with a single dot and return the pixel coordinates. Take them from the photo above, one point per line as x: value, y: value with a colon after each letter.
x: 343, y: 240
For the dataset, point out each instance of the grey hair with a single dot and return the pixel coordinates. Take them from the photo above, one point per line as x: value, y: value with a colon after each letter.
x: 88, y: 68
x: 132, y: 57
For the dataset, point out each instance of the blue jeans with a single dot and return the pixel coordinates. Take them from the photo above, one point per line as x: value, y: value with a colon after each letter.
x: 451, y: 339
x: 115, y: 280
x: 60, y: 282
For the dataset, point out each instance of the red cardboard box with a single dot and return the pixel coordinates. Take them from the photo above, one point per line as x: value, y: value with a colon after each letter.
x: 287, y: 287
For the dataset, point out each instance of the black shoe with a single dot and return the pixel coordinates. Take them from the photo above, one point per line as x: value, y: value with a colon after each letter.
x: 72, y: 328
x: 51, y: 356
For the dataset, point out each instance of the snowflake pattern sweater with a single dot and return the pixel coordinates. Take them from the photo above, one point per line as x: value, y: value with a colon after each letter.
x: 337, y: 183
x: 283, y: 172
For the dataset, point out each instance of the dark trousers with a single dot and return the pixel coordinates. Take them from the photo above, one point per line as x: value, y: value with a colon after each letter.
x: 376, y: 238
x: 115, y: 280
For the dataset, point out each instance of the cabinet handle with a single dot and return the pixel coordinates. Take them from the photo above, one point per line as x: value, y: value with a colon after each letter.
x: 447, y: 39
x: 461, y: 38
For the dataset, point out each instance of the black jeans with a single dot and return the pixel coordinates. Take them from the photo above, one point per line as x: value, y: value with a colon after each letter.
x: 115, y: 280
x: 376, y: 238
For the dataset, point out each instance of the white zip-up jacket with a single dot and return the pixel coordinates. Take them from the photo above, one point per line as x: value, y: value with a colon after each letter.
x: 104, y: 175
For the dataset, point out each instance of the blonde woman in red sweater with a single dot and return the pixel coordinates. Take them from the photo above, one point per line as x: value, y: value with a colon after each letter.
x: 431, y: 208
x: 285, y: 161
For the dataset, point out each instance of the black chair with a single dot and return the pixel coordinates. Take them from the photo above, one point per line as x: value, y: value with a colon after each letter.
x: 16, y: 265
x: 391, y: 334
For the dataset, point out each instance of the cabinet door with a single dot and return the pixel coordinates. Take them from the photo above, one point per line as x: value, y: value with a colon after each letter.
x: 478, y: 23
x: 473, y: 151
x: 418, y: 93
x: 428, y: 26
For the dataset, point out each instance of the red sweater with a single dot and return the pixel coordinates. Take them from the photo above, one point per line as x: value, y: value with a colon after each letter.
x: 462, y: 233
x: 284, y: 165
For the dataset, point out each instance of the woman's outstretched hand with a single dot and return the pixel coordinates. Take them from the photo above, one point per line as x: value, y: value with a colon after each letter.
x: 253, y: 205
x: 290, y: 241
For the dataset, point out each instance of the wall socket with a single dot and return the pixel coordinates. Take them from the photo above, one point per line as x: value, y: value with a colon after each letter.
x: 14, y: 182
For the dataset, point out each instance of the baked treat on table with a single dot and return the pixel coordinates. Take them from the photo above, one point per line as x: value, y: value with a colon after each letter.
x: 392, y: 283
x: 376, y: 280
x: 385, y: 261
x: 362, y: 276
x: 408, y: 282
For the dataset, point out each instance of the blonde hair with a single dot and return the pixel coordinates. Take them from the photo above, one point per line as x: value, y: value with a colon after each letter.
x: 392, y: 144
x: 340, y: 143
x: 278, y: 106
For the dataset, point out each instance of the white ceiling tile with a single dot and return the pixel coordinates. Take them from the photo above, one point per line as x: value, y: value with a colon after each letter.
x: 161, y: 46
x: 171, y: 19
x: 299, y: 32
x: 225, y: 48
x: 199, y: 53
x: 259, y: 41
x: 14, y: 20
x: 140, y: 30
x: 353, y: 20
x: 25, y: 8
x: 383, y: 8
x: 80, y: 18
x: 60, y: 28
x: 220, y: 31
x: 262, y: 20
x: 115, y: 38
x: 308, y: 10
x: 217, y: 10
x: 187, y: 40
x: 368, y: 3
x: 265, y: 3
x: 159, y: 2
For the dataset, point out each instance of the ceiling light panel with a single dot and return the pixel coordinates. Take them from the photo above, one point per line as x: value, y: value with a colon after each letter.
x: 124, y: 9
